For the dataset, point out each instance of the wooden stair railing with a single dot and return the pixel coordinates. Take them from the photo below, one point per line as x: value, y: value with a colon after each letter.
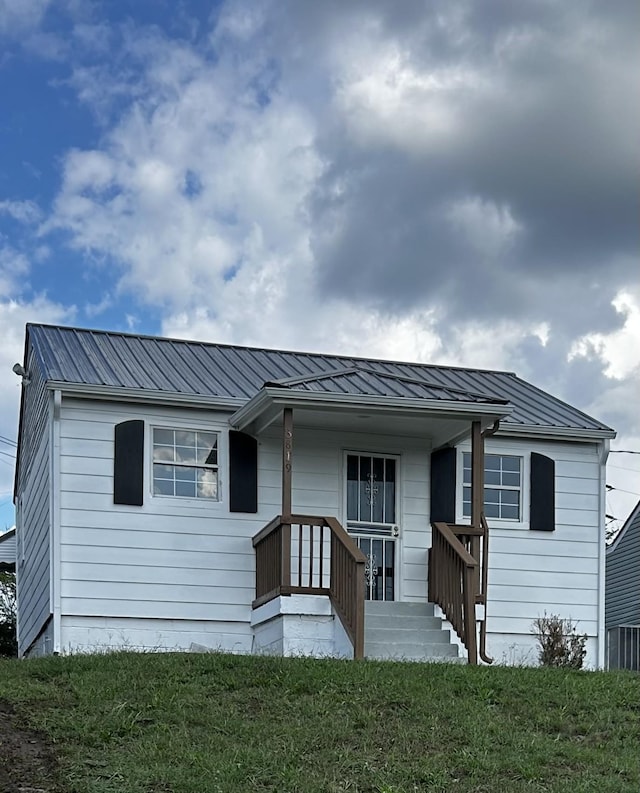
x: 453, y: 578
x: 313, y: 555
x: 458, y: 581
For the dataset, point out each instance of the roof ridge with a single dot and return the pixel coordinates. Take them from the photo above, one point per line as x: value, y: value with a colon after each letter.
x: 226, y: 345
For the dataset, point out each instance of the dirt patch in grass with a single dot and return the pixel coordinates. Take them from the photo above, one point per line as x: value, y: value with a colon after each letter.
x: 27, y: 762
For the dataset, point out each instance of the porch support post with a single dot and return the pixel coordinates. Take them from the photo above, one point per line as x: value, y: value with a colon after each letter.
x: 287, y: 460
x: 477, y: 493
x: 287, y: 468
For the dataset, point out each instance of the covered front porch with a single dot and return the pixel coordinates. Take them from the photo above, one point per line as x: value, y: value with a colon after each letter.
x: 374, y: 529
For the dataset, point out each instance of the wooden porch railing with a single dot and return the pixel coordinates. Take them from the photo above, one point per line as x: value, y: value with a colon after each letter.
x: 313, y: 555
x: 454, y: 582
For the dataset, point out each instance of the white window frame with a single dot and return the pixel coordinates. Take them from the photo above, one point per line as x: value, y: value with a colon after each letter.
x: 500, y: 451
x: 177, y: 427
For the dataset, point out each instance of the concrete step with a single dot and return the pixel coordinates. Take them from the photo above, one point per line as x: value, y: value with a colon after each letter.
x: 389, y: 621
x: 405, y: 631
x: 409, y: 651
x: 396, y: 608
x: 409, y: 636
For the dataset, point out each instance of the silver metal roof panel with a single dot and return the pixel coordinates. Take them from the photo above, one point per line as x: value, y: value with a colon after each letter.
x: 173, y: 366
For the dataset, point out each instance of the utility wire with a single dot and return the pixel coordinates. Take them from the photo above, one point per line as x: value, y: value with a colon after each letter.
x: 622, y: 490
x: 4, y: 439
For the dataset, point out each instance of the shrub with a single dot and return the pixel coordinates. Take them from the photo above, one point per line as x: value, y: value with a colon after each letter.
x: 8, y: 642
x: 560, y: 644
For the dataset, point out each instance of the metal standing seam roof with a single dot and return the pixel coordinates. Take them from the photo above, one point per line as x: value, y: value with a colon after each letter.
x: 174, y: 366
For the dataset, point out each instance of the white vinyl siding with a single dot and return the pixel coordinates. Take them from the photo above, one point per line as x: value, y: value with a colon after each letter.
x: 33, y: 564
x: 557, y: 572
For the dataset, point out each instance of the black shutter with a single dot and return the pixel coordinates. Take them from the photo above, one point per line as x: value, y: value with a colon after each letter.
x: 128, y: 463
x: 443, y: 486
x: 543, y: 493
x: 243, y: 472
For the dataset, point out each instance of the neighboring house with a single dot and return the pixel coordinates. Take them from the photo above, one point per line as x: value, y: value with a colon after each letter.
x: 622, y: 599
x: 8, y: 550
x: 179, y: 495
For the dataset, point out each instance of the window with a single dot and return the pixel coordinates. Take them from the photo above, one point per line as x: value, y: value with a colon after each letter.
x: 185, y: 463
x: 502, y: 486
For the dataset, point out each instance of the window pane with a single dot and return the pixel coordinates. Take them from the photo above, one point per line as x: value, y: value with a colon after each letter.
x: 510, y: 497
x: 492, y: 510
x: 492, y: 462
x: 492, y: 477
x: 185, y: 474
x: 163, y: 453
x: 186, y: 489
x: 185, y: 438
x: 208, y: 484
x: 163, y: 437
x: 163, y: 487
x: 511, y: 480
x: 491, y: 496
x: 512, y: 513
x: 511, y: 464
x: 207, y: 449
x: 185, y: 454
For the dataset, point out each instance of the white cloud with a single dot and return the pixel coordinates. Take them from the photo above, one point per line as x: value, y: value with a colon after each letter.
x: 618, y: 350
x: 22, y: 211
x: 21, y: 16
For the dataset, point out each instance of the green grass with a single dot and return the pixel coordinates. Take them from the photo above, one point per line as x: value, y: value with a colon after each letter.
x: 207, y: 723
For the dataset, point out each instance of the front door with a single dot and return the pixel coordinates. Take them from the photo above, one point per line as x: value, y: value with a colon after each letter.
x: 371, y: 519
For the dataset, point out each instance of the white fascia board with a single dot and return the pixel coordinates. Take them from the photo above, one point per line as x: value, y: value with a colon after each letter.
x: 116, y: 394
x: 555, y: 433
x: 267, y: 397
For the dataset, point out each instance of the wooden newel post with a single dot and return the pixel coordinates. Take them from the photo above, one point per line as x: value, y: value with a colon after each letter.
x: 287, y: 468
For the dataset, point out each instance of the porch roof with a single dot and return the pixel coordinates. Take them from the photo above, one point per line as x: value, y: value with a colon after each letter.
x: 442, y: 414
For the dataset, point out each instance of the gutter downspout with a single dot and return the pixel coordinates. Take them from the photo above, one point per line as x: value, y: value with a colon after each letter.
x: 603, y: 453
x: 54, y: 506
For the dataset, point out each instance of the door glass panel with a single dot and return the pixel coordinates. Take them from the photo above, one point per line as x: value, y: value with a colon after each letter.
x: 377, y: 490
x: 365, y: 478
x: 352, y: 487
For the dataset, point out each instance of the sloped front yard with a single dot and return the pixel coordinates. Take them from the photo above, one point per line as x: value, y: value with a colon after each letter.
x: 206, y: 723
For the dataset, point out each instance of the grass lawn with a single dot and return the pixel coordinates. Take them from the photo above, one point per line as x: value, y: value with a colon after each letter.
x: 205, y: 723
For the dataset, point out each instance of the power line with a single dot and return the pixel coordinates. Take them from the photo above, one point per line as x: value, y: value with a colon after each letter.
x: 622, y: 451
x: 11, y: 455
x: 622, y: 490
x: 4, y: 439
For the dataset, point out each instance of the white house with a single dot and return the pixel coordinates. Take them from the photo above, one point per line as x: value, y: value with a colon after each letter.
x: 179, y: 495
x: 622, y: 600
x: 8, y: 550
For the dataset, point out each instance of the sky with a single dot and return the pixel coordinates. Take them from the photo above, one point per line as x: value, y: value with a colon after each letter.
x: 452, y: 183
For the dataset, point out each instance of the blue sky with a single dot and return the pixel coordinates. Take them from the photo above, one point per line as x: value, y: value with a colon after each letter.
x: 451, y: 183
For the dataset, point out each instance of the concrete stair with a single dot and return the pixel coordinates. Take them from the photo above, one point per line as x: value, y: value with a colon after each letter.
x: 405, y: 632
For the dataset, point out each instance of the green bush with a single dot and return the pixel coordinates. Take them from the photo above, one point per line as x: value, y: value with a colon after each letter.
x: 8, y: 641
x: 560, y: 644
